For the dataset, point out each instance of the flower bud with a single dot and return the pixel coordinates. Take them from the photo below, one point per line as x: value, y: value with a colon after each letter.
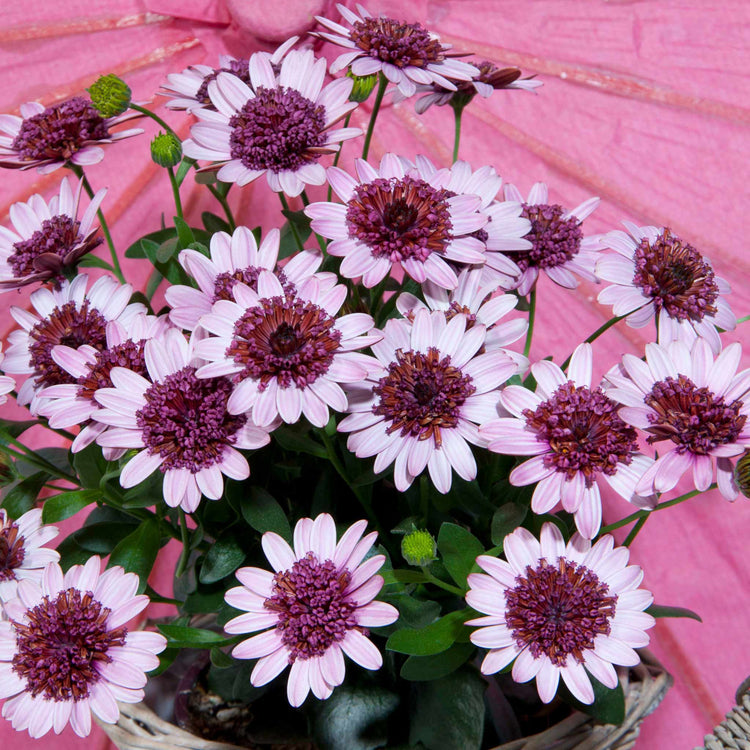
x: 166, y: 150
x: 363, y: 86
x: 742, y: 474
x: 110, y: 95
x: 418, y: 547
x: 8, y: 473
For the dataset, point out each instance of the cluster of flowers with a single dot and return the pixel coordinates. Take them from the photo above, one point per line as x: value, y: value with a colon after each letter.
x: 252, y: 344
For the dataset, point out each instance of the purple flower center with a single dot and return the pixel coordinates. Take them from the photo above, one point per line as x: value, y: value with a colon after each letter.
x: 287, y: 339
x: 555, y: 240
x: 312, y: 607
x: 422, y: 394
x: 694, y: 418
x: 60, y: 645
x: 60, y: 131
x: 399, y: 219
x: 185, y: 420
x: 12, y: 551
x: 225, y: 282
x: 129, y: 354
x: 558, y: 610
x: 584, y: 432
x: 677, y: 278
x: 400, y: 44
x: 68, y: 325
x: 239, y: 68
x: 278, y: 129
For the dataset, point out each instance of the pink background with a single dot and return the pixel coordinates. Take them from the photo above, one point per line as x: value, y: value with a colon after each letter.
x: 642, y: 105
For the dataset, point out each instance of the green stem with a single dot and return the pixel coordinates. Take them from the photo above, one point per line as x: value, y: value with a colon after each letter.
x: 225, y: 205
x: 78, y: 171
x: 442, y: 584
x: 382, y: 84
x: 595, y: 335
x: 338, y: 156
x: 155, y: 118
x: 32, y: 457
x: 743, y: 319
x: 532, y: 317
x: 640, y: 523
x: 457, y: 114
x: 185, y: 539
x: 292, y: 226
x: 175, y: 192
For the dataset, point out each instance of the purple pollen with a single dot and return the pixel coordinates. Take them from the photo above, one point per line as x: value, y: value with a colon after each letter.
x: 677, y: 278
x: 65, y: 638
x: 558, y: 610
x: 286, y: 338
x: 68, y: 325
x: 239, y: 68
x: 12, y: 551
x: 225, y: 282
x: 422, y: 394
x: 185, y: 420
x: 313, y: 610
x: 555, y: 240
x: 400, y: 44
x: 694, y: 418
x: 584, y: 432
x: 400, y: 219
x: 129, y: 354
x: 60, y: 131
x: 278, y: 129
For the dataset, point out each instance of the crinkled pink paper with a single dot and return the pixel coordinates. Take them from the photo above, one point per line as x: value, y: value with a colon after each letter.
x: 644, y: 104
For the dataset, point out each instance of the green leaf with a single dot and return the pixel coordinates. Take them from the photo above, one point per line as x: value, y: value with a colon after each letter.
x: 415, y: 613
x: 101, y: 538
x: 293, y: 440
x: 13, y: 428
x: 608, y: 706
x: 507, y: 519
x: 166, y: 658
x: 166, y: 251
x: 287, y: 243
x: 449, y: 712
x: 459, y: 549
x: 224, y: 557
x: 184, y: 232
x: 183, y: 636
x: 58, y: 457
x: 220, y: 659
x: 403, y: 576
x: 202, y: 602
x: 90, y: 466
x: 437, y: 637
x: 263, y: 513
x: 91, y: 261
x: 214, y: 223
x: 421, y: 668
x: 137, y: 552
x: 146, y: 246
x: 67, y: 504
x: 21, y: 497
x: 659, y: 610
x: 71, y: 553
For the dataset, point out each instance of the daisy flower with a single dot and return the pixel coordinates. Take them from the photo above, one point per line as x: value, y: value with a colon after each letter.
x: 48, y: 238
x: 479, y: 303
x: 50, y: 137
x: 655, y: 273
x: 699, y: 404
x: 189, y: 90
x: 278, y: 125
x: 233, y: 258
x: 66, y: 653
x: 406, y: 53
x: 576, y: 438
x: 421, y: 408
x: 70, y: 404
x: 179, y: 422
x: 315, y: 608
x: 396, y: 216
x: 559, y: 611
x: 287, y: 350
x: 7, y: 384
x: 22, y: 554
x: 70, y: 316
x: 558, y: 245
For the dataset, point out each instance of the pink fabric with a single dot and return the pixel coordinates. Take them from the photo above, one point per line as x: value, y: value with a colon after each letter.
x: 641, y: 106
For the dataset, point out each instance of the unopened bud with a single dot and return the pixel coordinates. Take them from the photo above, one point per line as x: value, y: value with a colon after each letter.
x: 742, y: 474
x: 362, y: 88
x: 166, y: 150
x: 419, y: 548
x: 7, y: 470
x: 110, y: 95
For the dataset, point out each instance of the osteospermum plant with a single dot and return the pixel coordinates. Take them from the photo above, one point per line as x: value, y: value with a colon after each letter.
x: 379, y: 505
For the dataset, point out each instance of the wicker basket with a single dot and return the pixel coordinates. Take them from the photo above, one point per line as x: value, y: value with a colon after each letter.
x: 139, y: 728
x: 734, y: 732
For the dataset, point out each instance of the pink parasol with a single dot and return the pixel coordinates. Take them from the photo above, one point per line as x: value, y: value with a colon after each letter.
x: 641, y: 105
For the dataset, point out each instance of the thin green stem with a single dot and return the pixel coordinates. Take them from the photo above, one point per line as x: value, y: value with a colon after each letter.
x: 24, y: 453
x: 78, y: 171
x: 442, y: 584
x: 185, y: 539
x: 595, y: 335
x: 457, y: 115
x: 743, y: 319
x: 154, y: 117
x: 640, y: 523
x: 337, y: 157
x: 382, y: 84
x: 175, y: 192
x: 292, y: 226
x: 532, y: 317
x: 225, y: 205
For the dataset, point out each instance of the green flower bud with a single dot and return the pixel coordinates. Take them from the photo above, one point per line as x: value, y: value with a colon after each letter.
x: 363, y: 86
x: 110, y: 95
x: 8, y: 473
x: 419, y: 548
x: 742, y: 474
x: 166, y: 150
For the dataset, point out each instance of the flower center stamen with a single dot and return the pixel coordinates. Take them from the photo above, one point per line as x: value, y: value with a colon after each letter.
x: 12, y: 551
x: 129, y: 354
x: 555, y: 240
x: 226, y: 281
x: 400, y: 44
x: 239, y: 68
